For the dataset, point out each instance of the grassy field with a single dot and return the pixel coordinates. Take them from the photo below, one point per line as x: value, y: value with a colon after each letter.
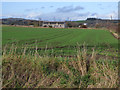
x: 61, y: 41
x: 57, y: 37
x: 59, y: 58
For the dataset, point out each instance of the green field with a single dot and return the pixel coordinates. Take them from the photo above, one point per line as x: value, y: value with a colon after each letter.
x: 62, y: 41
x: 59, y: 58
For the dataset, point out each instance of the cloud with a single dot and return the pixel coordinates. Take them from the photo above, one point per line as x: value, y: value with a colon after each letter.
x: 94, y: 14
x: 32, y: 9
x: 78, y: 8
x: 51, y: 6
x: 58, y: 16
x: 113, y: 14
x: 105, y: 15
x: 62, y: 17
x: 63, y: 13
x: 42, y: 7
x: 28, y: 10
x: 99, y: 4
x: 67, y: 9
x: 33, y: 15
x: 102, y: 8
x: 84, y: 14
x: 14, y: 16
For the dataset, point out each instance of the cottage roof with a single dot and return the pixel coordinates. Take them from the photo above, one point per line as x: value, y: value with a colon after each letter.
x: 54, y: 21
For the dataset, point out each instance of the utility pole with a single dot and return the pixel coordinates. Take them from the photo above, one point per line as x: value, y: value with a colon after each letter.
x: 111, y: 17
x: 39, y: 20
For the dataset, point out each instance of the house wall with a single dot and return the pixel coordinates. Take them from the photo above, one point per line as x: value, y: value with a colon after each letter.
x: 53, y: 24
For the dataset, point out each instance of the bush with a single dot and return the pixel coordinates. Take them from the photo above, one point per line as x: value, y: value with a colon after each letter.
x: 97, y: 25
x: 45, y: 26
x: 50, y: 26
x: 36, y: 25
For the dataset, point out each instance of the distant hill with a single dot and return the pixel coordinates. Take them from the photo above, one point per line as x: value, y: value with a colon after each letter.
x: 18, y: 21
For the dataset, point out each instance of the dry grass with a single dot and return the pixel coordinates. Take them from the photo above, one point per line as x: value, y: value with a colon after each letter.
x: 34, y: 71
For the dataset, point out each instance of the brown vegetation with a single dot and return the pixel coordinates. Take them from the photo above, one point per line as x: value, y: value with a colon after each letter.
x: 34, y: 71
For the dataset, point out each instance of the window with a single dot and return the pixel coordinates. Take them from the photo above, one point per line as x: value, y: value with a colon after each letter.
x: 60, y: 22
x: 45, y: 22
x: 52, y: 22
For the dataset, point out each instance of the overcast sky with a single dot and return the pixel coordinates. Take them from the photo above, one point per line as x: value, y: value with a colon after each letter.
x: 60, y: 11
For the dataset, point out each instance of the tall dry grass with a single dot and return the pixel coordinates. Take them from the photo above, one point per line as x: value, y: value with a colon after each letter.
x: 30, y: 70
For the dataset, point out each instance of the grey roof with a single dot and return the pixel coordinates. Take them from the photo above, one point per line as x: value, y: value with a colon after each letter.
x: 53, y: 21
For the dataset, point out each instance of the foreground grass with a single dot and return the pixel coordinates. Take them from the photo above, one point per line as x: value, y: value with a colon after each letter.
x: 34, y: 71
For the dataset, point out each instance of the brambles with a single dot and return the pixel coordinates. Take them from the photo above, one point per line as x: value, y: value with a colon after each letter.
x: 27, y: 70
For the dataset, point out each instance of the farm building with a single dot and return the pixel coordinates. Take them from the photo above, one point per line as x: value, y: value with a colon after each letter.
x: 54, y: 24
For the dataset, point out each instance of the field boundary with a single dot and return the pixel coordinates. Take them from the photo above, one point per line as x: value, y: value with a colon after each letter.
x: 115, y: 35
x: 49, y: 27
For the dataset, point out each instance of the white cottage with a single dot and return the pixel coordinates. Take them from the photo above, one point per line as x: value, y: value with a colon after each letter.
x: 54, y: 24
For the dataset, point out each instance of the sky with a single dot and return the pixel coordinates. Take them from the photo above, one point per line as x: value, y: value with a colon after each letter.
x: 60, y: 11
